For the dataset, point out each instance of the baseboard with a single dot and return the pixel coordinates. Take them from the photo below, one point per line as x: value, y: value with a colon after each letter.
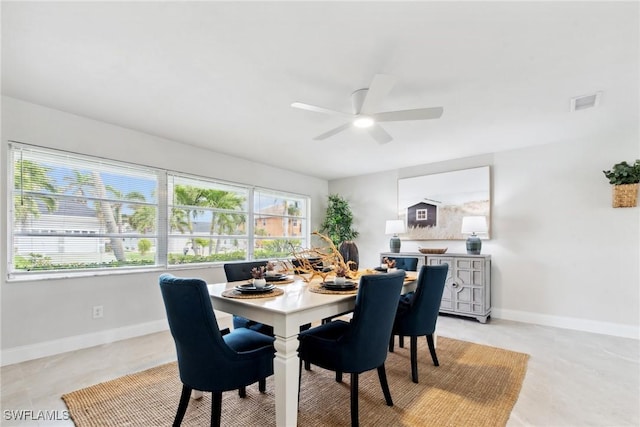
x: 50, y: 348
x: 78, y: 342
x: 585, y: 325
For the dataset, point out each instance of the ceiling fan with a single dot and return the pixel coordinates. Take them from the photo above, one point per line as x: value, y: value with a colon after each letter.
x: 364, y: 113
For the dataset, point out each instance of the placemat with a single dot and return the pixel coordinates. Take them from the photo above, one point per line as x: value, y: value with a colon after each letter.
x: 232, y: 293
x: 318, y: 289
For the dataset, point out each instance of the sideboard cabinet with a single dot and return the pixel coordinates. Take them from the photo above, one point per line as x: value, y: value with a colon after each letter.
x: 467, y: 290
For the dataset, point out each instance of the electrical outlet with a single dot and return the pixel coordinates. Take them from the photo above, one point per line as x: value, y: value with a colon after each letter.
x: 98, y: 311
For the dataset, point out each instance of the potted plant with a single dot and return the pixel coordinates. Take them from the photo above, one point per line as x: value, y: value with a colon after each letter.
x: 258, y: 277
x: 271, y: 269
x: 338, y: 226
x: 625, y: 178
x: 341, y: 274
x: 391, y: 264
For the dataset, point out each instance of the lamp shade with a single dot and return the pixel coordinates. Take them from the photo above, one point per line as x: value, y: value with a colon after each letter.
x: 474, y: 224
x: 394, y: 226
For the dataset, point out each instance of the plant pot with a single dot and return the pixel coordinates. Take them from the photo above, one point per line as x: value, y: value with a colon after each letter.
x: 340, y: 280
x: 259, y: 283
x: 349, y: 252
x: 625, y: 196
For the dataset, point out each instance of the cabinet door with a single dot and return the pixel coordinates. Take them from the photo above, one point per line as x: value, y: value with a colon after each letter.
x: 448, y: 294
x: 468, y: 285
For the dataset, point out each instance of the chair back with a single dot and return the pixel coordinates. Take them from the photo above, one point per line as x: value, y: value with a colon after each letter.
x: 203, y: 356
x: 236, y: 271
x: 365, y: 345
x: 406, y: 264
x: 423, y: 314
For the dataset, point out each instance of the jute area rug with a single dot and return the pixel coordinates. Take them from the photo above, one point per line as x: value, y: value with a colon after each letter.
x: 475, y: 385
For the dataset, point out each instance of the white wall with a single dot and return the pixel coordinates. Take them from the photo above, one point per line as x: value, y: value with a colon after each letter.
x: 561, y: 255
x: 48, y: 316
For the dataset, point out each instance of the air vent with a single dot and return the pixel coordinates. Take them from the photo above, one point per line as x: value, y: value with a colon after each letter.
x: 586, y: 101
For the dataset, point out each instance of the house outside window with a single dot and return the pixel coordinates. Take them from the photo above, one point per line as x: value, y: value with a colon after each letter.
x: 284, y: 223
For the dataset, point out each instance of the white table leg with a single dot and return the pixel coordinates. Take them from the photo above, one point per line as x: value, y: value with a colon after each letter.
x: 196, y: 394
x: 286, y: 371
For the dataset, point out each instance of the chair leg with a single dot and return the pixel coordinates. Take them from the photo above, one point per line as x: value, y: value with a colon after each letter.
x: 414, y: 358
x: 299, y: 381
x: 182, y: 406
x: 242, y: 392
x: 354, y: 400
x: 307, y: 365
x: 382, y: 375
x: 391, y: 343
x: 262, y: 385
x: 400, y: 341
x: 338, y: 376
x: 216, y: 408
x: 432, y: 350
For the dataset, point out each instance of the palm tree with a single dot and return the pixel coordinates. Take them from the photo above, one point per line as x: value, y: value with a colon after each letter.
x: 90, y: 184
x: 188, y: 198
x: 226, y: 223
x: 117, y: 206
x: 143, y: 219
x: 30, y: 176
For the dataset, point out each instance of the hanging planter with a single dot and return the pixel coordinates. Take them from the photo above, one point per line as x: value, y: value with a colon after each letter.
x: 624, y: 178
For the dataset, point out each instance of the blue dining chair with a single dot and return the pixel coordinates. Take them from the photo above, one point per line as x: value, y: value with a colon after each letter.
x: 360, y: 345
x: 235, y: 272
x: 417, y: 313
x: 207, y: 360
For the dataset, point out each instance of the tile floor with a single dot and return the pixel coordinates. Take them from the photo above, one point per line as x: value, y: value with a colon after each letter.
x: 574, y: 379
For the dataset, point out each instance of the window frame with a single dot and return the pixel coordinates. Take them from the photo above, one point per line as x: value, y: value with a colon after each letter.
x: 163, y: 205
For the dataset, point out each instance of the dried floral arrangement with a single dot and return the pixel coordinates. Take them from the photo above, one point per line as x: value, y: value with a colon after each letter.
x: 258, y: 272
x: 327, y: 256
x: 391, y: 263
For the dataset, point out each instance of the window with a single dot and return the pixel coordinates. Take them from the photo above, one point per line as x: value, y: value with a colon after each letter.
x: 72, y: 212
x: 207, y: 221
x: 77, y: 213
x: 421, y: 214
x: 283, y: 223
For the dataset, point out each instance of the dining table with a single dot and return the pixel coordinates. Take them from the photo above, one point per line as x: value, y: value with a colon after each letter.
x: 299, y: 300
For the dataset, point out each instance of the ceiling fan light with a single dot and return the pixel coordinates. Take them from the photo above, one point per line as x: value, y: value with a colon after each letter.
x: 363, y: 122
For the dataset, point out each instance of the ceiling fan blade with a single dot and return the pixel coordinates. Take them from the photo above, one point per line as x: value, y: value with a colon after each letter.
x: 378, y: 91
x: 317, y: 109
x: 333, y: 131
x: 417, y: 114
x: 379, y: 134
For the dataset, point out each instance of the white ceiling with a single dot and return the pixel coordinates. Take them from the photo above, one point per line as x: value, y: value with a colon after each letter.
x: 222, y: 75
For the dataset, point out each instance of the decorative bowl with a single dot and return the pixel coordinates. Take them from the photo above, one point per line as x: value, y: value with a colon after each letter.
x: 433, y: 250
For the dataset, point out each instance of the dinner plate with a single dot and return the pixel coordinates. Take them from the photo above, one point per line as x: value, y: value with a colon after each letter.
x: 250, y: 289
x: 277, y: 278
x: 347, y: 286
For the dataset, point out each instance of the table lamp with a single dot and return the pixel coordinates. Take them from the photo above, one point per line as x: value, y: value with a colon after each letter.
x: 394, y: 226
x: 472, y: 225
